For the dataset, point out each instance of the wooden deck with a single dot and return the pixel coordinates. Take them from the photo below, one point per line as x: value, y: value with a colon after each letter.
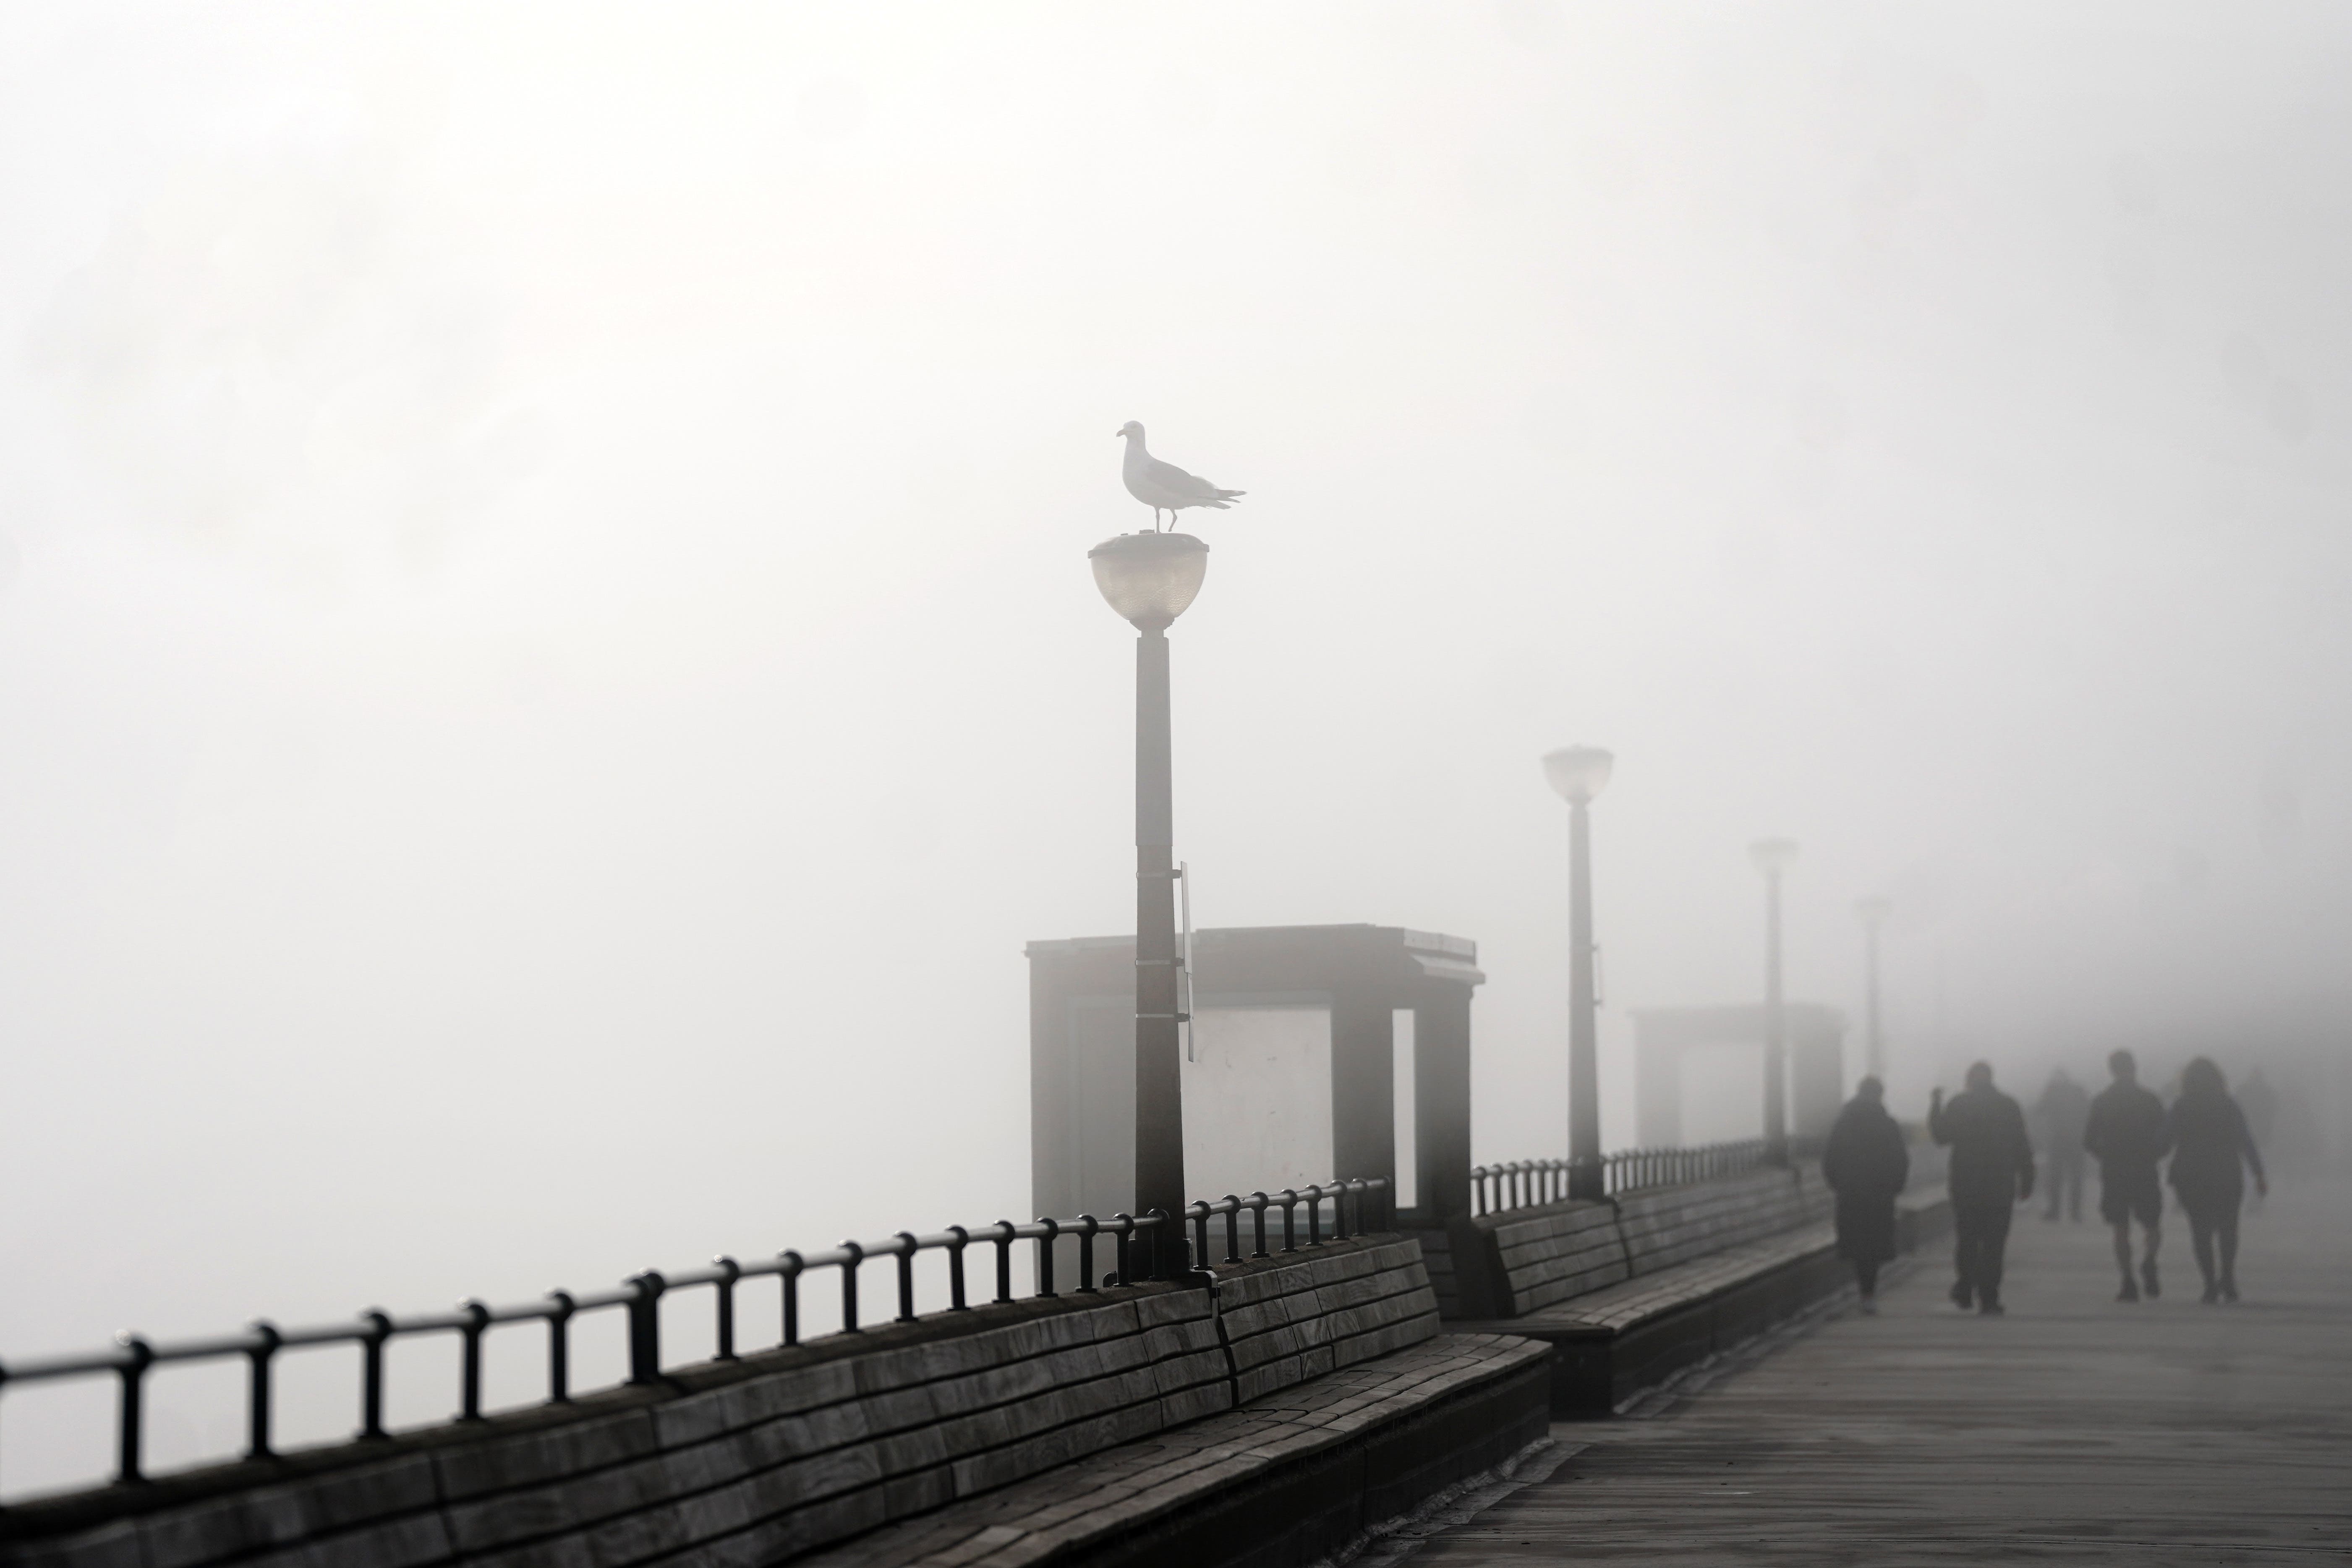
x: 2076, y: 1429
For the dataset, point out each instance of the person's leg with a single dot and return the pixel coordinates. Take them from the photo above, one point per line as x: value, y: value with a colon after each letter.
x: 2226, y: 1226
x: 1988, y: 1260
x: 1964, y: 1251
x: 2155, y: 1219
x: 2130, y: 1292
x: 1865, y: 1281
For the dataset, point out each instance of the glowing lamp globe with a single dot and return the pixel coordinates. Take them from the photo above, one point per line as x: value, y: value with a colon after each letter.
x: 1773, y: 855
x: 1578, y: 772
x: 1149, y: 578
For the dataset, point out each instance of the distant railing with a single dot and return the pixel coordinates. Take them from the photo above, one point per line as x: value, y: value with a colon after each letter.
x: 1524, y: 1184
x: 640, y: 1296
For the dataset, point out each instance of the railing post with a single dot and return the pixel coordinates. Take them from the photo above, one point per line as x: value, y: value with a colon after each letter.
x: 1087, y: 1226
x: 1233, y: 1227
x: 1005, y: 1229
x: 1314, y: 1216
x: 645, y: 1328
x: 956, y: 1302
x: 371, y: 1373
x: 266, y: 1341
x: 130, y: 1419
x: 905, y: 1276
x: 1258, y: 1200
x: 1197, y: 1213
x: 1123, y: 1232
x: 469, y: 1374
x: 1161, y: 1223
x: 559, y: 1347
x: 849, y: 1287
x: 731, y: 1271
x: 791, y: 1277
x: 1045, y: 1257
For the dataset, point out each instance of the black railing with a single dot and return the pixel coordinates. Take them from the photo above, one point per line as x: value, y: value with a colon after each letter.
x: 640, y: 1297
x: 1374, y: 1211
x: 1524, y: 1184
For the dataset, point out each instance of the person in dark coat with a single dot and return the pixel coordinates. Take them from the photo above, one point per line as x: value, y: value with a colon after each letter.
x: 1865, y: 1164
x: 1992, y: 1173
x: 2060, y: 1114
x: 2127, y: 1134
x: 2211, y: 1147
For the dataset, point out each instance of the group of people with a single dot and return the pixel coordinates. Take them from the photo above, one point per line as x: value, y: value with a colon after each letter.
x: 2126, y: 1127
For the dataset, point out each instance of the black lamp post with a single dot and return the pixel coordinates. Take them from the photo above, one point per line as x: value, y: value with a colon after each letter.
x: 1773, y: 857
x: 1579, y: 773
x: 1874, y: 913
x: 1151, y: 579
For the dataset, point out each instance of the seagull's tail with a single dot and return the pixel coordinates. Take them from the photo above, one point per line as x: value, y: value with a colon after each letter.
x: 1225, y: 496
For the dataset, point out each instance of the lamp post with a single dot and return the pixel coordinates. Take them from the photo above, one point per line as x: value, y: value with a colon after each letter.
x: 1873, y: 912
x: 1149, y: 579
x: 1773, y: 857
x: 1578, y: 774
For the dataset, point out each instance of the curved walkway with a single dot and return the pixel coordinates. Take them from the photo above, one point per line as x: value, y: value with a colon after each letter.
x: 2076, y: 1429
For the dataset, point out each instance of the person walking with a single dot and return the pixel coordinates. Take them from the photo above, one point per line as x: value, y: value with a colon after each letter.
x: 2127, y: 1134
x: 2212, y: 1149
x: 2061, y: 1111
x: 1865, y: 1164
x: 1992, y: 1173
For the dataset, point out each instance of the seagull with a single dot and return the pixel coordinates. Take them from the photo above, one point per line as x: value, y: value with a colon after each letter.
x: 1164, y: 487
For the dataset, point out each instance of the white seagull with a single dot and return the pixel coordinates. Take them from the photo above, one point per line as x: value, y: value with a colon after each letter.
x: 1164, y: 487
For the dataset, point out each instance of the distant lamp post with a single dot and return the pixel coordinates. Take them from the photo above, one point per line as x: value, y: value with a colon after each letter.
x: 1774, y: 857
x: 1151, y: 579
x: 1578, y: 774
x: 1873, y: 913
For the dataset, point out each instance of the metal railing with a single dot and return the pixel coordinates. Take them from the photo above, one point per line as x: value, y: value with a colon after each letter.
x: 1524, y: 1184
x: 640, y: 1297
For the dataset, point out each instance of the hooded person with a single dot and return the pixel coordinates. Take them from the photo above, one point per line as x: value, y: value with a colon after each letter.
x: 1865, y: 1164
x: 1992, y: 1173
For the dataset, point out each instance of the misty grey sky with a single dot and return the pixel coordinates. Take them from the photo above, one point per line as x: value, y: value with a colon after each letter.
x: 549, y: 669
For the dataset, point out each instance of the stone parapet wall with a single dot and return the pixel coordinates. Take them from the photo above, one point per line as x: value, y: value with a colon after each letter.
x: 1524, y: 1261
x: 780, y: 1453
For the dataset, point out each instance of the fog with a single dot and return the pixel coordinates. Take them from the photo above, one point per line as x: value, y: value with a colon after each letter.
x: 548, y: 668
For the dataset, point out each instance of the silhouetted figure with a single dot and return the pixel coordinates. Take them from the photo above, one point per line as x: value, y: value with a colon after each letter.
x: 1992, y: 1173
x: 2128, y: 1135
x: 2061, y: 1111
x: 2210, y: 1146
x: 1865, y: 1164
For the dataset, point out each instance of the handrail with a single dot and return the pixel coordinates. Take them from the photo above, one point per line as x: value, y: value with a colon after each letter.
x: 132, y: 1356
x: 1525, y: 1183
